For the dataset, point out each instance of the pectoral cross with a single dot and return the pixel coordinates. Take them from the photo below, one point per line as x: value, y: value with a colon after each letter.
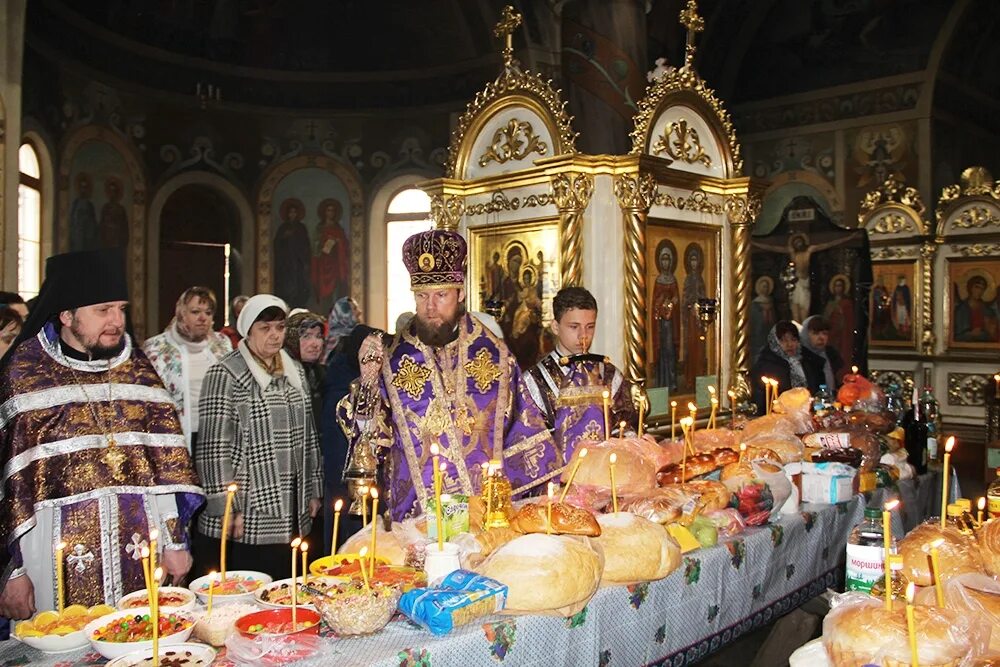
x: 510, y: 21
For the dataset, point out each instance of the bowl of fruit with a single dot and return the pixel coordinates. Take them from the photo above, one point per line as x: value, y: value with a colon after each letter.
x: 240, y: 586
x: 278, y: 594
x: 348, y: 566
x: 171, y: 598
x: 278, y: 623
x: 176, y: 655
x: 354, y: 609
x: 123, y: 632
x: 52, y: 632
x: 341, y: 565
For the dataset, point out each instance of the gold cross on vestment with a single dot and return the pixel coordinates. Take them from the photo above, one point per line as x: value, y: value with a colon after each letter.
x: 694, y: 24
x: 510, y: 21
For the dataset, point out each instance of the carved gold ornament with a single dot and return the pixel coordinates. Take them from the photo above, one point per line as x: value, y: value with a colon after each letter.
x: 483, y: 370
x: 976, y: 217
x: 977, y: 249
x: 682, y: 142
x: 514, y: 141
x: 966, y: 389
x: 411, y: 377
x: 975, y: 182
x: 500, y: 202
x: 884, y: 377
x: 447, y: 211
x: 896, y: 252
x: 698, y: 200
x: 893, y: 191
x: 893, y: 223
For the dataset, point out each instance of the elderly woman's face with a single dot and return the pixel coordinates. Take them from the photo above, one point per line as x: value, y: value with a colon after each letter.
x: 266, y: 338
x: 311, y: 344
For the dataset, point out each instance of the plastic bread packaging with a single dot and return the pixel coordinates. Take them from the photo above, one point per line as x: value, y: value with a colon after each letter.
x: 795, y: 405
x: 709, y: 439
x: 789, y: 448
x: 771, y: 424
x: 959, y: 553
x: 461, y: 597
x: 633, y: 471
x: 975, y: 595
x: 859, y: 631
x: 761, y: 488
x: 988, y: 537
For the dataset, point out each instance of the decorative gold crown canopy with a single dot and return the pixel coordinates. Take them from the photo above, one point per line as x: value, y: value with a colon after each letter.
x: 513, y: 87
x: 893, y: 191
x: 975, y: 182
x: 684, y: 80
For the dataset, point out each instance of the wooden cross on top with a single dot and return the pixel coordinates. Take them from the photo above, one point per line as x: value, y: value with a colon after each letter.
x: 510, y: 20
x: 694, y: 24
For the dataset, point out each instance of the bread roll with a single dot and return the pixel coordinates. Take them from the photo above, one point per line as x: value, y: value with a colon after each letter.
x: 635, y: 549
x: 662, y: 508
x: 958, y: 553
x: 554, y: 574
x: 745, y: 469
x: 633, y: 471
x: 724, y: 456
x: 566, y: 520
x: 988, y: 537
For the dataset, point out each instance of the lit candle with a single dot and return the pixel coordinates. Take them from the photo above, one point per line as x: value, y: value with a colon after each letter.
x: 363, y: 492
x: 548, y: 510
x: 774, y: 393
x: 936, y: 572
x: 60, y: 590
x: 230, y: 495
x: 996, y: 382
x: 337, y: 507
x: 854, y: 369
x: 887, y: 537
x: 621, y: 429
x: 642, y: 411
x: 371, y: 565
x: 606, y: 397
x: 684, y: 455
x: 715, y: 406
x: 145, y: 567
x: 295, y: 561
x: 364, y: 572
x: 572, y: 473
x: 911, y: 626
x: 693, y: 414
x: 981, y: 506
x: 732, y: 407
x: 211, y: 591
x: 767, y: 395
x: 437, y: 509
x: 948, y: 446
x: 304, y: 550
x: 154, y: 535
x: 487, y: 492
x: 612, y: 460
x: 687, y: 426
x: 154, y: 600
x: 673, y: 419
x: 743, y: 451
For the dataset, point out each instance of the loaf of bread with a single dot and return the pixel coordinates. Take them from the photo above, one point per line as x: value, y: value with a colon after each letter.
x: 695, y: 466
x: 546, y: 574
x: 988, y: 537
x: 566, y: 520
x: 633, y: 471
x: 635, y: 549
x: 958, y: 553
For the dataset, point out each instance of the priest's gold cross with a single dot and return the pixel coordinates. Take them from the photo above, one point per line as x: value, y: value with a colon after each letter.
x: 510, y: 21
x: 694, y: 24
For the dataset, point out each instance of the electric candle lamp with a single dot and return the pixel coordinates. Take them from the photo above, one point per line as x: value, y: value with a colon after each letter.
x: 948, y: 446
x: 337, y: 507
x: 572, y: 473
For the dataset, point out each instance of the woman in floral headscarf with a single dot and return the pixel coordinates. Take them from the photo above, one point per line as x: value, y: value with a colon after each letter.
x: 781, y: 359
x: 344, y: 316
x: 304, y: 341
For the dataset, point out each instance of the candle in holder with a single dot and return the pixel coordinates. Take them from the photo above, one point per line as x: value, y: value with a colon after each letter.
x: 911, y: 625
x: 946, y: 472
x: 154, y: 601
x: 548, y: 510
x: 230, y: 495
x: 211, y: 591
x: 732, y: 407
x: 60, y: 589
x: 337, y: 507
x: 887, y: 537
x: 371, y: 565
x: 572, y: 473
x: 980, y: 507
x: 606, y: 397
x: 295, y: 595
x: 612, y: 460
x: 673, y: 420
x: 936, y: 571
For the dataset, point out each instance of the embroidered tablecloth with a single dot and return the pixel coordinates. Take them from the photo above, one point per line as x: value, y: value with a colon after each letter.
x: 715, y: 596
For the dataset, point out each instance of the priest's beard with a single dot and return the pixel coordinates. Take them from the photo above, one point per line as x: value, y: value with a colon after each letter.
x: 441, y: 334
x: 92, y: 344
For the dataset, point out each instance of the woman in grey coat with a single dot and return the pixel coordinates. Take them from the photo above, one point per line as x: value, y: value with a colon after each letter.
x: 257, y: 430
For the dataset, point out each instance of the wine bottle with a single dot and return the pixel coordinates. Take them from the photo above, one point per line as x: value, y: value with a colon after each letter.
x: 915, y: 429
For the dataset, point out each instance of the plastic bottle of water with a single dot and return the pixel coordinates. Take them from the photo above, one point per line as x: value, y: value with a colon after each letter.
x: 866, y: 553
x: 823, y: 400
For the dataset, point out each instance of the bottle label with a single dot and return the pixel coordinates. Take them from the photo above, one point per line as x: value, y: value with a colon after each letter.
x: 864, y: 567
x: 994, y: 506
x: 932, y: 448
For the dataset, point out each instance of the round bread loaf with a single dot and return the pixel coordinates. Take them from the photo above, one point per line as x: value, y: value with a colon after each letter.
x: 957, y: 555
x: 636, y: 549
x: 633, y: 471
x: 988, y: 537
x: 566, y: 520
x: 546, y: 573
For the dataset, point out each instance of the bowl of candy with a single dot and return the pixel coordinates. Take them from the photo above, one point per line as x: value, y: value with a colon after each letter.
x: 171, y: 598
x: 177, y: 655
x: 278, y: 594
x: 52, y: 632
x: 353, y: 609
x: 123, y: 632
x: 278, y: 623
x: 240, y: 586
x: 341, y: 565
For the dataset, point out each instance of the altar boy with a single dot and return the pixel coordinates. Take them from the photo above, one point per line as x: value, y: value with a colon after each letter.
x: 568, y: 384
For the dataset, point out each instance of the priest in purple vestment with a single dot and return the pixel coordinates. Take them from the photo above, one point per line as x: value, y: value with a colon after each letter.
x: 568, y: 384
x: 447, y: 379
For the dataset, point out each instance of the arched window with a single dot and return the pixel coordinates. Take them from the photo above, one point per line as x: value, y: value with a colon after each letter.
x: 29, y: 223
x: 409, y: 213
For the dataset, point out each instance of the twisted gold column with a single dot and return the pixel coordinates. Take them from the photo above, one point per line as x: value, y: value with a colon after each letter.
x: 572, y: 193
x: 927, y: 338
x: 635, y: 196
x: 741, y: 210
x: 447, y: 211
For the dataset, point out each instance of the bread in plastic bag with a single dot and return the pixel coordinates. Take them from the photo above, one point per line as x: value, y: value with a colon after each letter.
x: 789, y: 448
x: 988, y: 537
x: 958, y: 554
x: 633, y: 470
x: 769, y: 424
x: 709, y: 439
x: 860, y: 631
x: 795, y: 405
x: 761, y: 488
x: 973, y: 594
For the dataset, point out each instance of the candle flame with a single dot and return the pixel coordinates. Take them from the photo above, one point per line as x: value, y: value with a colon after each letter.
x: 374, y: 493
x: 743, y: 446
x: 231, y: 488
x: 158, y: 573
x: 997, y: 377
x: 304, y: 547
x: 949, y: 444
x: 891, y: 505
x: 731, y: 393
x: 981, y: 503
x: 443, y: 467
x: 339, y: 505
x: 909, y: 593
x: 714, y: 400
x: 363, y: 552
x: 613, y: 458
x: 154, y: 535
x: 583, y: 452
x: 692, y: 407
x: 606, y: 394
x: 711, y: 390
x: 435, y: 450
x: 212, y: 575
x: 854, y: 369
x: 296, y: 542
x: 552, y: 490
x: 144, y: 553
x: 937, y: 543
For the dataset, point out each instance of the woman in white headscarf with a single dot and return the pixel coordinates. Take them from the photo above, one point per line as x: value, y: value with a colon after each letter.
x: 257, y: 430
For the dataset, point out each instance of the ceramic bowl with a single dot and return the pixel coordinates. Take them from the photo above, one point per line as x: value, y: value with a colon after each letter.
x: 277, y: 618
x: 181, y: 599
x: 182, y: 655
x: 220, y: 597
x: 118, y: 649
x: 267, y: 596
x: 60, y: 643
